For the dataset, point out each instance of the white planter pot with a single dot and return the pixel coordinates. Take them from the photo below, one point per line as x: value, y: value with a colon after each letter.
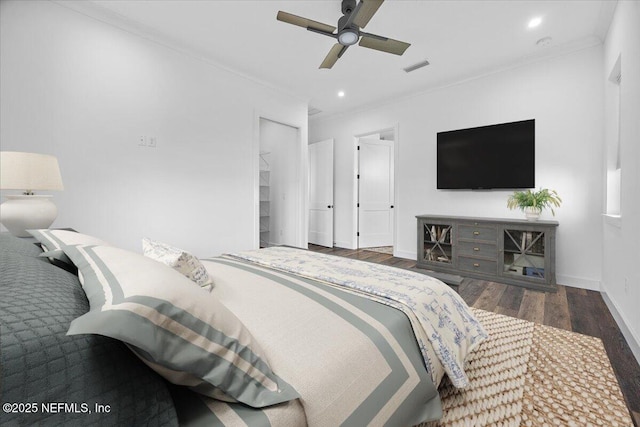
x: 532, y: 213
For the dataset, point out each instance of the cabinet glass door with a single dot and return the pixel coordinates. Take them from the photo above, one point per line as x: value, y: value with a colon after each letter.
x: 437, y: 243
x: 524, y: 253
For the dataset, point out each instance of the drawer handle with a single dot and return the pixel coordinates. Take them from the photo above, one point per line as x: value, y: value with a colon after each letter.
x: 476, y: 249
x: 475, y: 264
x: 475, y: 233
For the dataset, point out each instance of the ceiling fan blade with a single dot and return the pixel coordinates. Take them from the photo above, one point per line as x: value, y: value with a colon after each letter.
x: 304, y: 22
x: 334, y: 54
x: 383, y: 44
x: 365, y: 11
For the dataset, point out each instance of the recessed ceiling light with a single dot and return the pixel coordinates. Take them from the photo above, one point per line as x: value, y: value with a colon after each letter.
x: 341, y: 94
x: 535, y: 22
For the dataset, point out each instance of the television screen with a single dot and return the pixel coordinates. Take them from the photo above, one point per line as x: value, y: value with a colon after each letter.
x: 487, y: 157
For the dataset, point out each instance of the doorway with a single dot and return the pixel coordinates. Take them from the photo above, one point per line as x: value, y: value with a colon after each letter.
x: 279, y: 184
x: 375, y: 203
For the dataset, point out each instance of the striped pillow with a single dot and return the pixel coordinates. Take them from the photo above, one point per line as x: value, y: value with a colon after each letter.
x: 192, y: 336
x: 52, y: 242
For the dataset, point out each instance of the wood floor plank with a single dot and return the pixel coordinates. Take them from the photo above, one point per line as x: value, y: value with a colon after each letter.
x: 376, y: 257
x: 396, y: 261
x: 556, y: 309
x: 532, y: 306
x: 578, y: 291
x: 490, y: 296
x: 511, y: 298
x: 406, y: 264
x: 470, y: 290
x: 340, y: 251
x: 389, y: 261
x: 582, y: 320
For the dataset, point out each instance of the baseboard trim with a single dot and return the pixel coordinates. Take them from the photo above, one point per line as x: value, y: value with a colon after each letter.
x: 579, y: 282
x: 632, y: 340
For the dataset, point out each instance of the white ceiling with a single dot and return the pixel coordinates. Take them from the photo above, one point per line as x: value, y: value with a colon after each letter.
x: 461, y: 40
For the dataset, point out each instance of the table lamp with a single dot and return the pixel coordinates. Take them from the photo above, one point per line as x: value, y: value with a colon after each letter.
x: 28, y: 172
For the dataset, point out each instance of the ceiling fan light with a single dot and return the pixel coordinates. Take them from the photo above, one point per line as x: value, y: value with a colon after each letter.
x: 348, y: 37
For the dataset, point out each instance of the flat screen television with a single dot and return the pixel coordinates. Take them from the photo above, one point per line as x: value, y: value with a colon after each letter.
x: 499, y: 156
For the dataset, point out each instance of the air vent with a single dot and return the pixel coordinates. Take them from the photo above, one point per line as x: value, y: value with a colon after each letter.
x: 313, y: 111
x: 414, y: 67
x: 544, y: 42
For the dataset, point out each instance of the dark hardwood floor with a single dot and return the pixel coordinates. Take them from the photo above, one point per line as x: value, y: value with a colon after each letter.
x: 572, y: 309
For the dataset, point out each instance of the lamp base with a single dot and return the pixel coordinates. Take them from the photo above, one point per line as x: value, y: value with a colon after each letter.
x: 26, y: 212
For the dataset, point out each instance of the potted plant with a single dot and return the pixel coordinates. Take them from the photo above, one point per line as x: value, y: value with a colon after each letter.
x: 532, y: 202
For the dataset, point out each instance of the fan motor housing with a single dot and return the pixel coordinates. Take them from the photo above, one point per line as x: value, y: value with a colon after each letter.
x: 342, y: 22
x: 348, y: 6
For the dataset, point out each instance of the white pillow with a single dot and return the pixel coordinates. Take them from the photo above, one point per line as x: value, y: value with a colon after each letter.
x: 179, y: 260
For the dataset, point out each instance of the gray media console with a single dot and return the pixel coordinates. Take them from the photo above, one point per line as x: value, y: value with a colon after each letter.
x: 515, y: 252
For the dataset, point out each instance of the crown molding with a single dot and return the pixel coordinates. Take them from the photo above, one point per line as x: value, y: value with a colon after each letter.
x: 548, y: 54
x: 109, y: 17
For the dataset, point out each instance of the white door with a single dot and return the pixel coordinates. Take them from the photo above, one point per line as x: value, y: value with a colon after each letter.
x: 321, y: 193
x: 375, y: 193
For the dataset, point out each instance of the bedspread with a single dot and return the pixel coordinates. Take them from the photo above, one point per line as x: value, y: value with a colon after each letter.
x: 354, y: 361
x: 442, y: 322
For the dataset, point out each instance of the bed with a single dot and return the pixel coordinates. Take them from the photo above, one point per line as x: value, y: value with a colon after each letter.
x: 343, y: 342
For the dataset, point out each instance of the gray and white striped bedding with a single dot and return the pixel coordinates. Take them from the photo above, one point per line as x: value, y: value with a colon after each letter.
x: 353, y: 360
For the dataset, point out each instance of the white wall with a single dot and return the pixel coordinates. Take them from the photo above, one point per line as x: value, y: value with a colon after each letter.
x: 83, y: 90
x: 282, y: 144
x: 621, y: 278
x: 564, y: 95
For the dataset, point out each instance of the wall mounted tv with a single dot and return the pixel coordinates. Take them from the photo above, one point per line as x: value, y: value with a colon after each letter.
x: 499, y: 156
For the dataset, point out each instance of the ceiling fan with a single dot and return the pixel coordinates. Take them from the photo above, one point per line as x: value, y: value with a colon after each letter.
x: 355, y: 16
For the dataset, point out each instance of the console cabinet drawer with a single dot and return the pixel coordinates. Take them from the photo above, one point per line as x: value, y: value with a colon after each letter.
x: 486, y: 250
x: 477, y: 265
x: 477, y: 232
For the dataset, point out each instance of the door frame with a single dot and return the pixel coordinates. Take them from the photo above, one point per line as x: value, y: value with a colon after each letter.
x: 302, y: 207
x: 396, y: 152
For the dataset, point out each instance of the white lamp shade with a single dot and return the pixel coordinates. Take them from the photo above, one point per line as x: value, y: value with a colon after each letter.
x: 29, y: 171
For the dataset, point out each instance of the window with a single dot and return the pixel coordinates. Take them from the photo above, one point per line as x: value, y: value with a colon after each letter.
x: 614, y: 166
